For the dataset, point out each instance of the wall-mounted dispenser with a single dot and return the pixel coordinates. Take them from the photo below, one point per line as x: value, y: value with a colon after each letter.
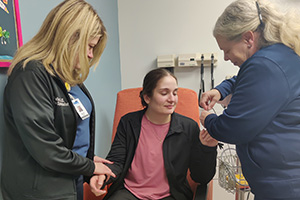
x: 166, y: 60
x: 187, y: 60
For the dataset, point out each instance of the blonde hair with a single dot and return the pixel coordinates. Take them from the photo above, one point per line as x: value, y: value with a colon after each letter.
x: 276, y: 26
x: 63, y: 39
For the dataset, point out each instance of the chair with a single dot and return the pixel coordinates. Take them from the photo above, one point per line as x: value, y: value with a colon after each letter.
x: 128, y: 100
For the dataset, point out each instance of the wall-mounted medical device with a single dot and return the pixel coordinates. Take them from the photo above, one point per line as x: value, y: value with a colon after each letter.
x: 187, y: 60
x: 166, y: 60
x: 209, y: 58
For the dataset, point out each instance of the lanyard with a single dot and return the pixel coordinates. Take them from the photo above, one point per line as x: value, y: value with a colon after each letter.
x: 79, y: 107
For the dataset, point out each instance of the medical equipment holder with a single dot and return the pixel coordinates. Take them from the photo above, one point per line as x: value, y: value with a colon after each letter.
x: 230, y: 174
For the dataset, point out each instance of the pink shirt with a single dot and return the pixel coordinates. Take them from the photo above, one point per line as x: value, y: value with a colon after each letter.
x: 146, y: 178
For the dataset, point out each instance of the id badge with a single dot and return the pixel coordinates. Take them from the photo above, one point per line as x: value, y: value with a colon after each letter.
x: 83, y: 114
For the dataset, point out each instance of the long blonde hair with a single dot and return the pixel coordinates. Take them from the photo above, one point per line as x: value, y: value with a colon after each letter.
x: 62, y: 41
x: 276, y: 26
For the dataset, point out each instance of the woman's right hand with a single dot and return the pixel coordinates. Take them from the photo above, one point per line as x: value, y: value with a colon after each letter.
x: 209, y: 99
x: 101, y: 169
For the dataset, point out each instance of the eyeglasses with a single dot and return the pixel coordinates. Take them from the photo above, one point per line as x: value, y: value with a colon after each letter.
x: 259, y: 15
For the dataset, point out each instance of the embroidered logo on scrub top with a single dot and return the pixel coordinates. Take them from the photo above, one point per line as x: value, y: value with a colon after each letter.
x: 61, y: 102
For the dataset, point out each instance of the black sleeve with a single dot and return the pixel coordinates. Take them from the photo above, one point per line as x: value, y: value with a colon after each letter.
x: 31, y: 106
x: 118, y: 152
x: 202, y: 160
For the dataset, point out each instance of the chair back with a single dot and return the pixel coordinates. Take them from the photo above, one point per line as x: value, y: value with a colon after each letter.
x: 128, y: 100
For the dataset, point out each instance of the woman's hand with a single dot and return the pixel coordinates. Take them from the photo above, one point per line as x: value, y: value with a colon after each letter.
x: 209, y: 99
x: 206, y: 139
x: 96, y: 183
x: 101, y: 160
x: 203, y: 115
x: 101, y: 169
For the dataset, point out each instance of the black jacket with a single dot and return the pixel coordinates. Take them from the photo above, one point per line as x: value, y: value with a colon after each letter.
x: 182, y: 150
x: 38, y: 161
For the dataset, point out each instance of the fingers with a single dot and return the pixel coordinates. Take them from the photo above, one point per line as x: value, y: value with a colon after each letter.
x: 209, y: 99
x: 101, y: 180
x: 212, y: 104
x: 204, y: 101
x: 102, y: 160
x: 107, y: 177
x: 107, y: 161
x: 206, y: 139
x: 99, y: 192
x: 204, y: 134
x: 96, y: 183
x: 110, y: 173
x: 203, y: 115
x: 100, y: 168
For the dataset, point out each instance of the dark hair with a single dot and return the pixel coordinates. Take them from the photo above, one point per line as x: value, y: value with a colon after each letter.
x: 150, y: 82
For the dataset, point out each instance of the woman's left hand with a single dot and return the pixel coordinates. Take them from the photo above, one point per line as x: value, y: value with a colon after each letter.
x: 96, y: 183
x: 206, y: 139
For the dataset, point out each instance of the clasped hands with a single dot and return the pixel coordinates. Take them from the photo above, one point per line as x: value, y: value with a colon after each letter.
x: 207, y: 102
x: 100, y: 174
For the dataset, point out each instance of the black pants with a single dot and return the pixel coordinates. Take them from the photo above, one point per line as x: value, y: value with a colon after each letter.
x: 79, y: 187
x: 124, y: 194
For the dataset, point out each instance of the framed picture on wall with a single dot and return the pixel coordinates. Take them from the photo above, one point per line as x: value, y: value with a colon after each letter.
x: 10, y: 31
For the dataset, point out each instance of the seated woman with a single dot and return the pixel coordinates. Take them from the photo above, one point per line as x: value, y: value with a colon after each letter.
x: 154, y: 148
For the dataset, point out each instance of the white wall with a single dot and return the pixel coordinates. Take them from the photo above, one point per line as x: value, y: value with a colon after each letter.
x: 158, y: 27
